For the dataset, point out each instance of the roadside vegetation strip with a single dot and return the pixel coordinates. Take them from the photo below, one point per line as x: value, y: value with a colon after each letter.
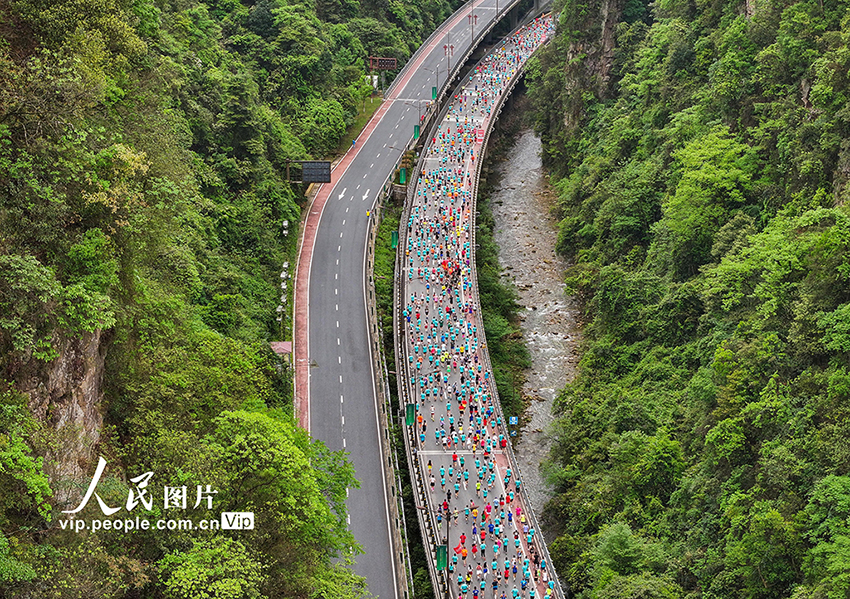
x: 361, y: 119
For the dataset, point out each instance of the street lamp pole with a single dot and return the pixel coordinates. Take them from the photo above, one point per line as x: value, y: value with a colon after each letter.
x: 449, y: 45
x: 402, y: 171
x: 402, y: 150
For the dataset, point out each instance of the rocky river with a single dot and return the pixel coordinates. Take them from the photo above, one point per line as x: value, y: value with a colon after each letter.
x: 526, y: 232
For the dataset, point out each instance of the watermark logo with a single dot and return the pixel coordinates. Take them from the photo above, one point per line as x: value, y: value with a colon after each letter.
x: 237, y: 521
x: 142, y: 494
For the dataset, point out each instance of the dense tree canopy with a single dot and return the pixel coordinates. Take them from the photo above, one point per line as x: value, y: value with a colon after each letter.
x: 142, y: 198
x: 702, y: 174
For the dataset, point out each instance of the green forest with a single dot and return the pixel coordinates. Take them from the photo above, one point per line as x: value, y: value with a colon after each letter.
x: 701, y: 154
x: 145, y: 215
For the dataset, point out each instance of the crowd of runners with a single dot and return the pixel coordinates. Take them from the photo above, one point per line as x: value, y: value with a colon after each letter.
x: 460, y: 438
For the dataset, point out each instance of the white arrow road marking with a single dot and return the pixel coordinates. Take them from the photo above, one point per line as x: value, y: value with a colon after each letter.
x: 344, y: 189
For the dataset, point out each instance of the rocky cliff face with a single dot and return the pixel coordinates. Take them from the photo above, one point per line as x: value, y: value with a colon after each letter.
x: 590, y: 54
x: 66, y: 394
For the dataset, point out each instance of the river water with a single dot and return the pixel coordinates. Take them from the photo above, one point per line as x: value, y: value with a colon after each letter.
x: 526, y: 233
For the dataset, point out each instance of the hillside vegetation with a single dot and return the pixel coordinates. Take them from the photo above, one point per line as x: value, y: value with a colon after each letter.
x: 143, y: 205
x: 702, y: 168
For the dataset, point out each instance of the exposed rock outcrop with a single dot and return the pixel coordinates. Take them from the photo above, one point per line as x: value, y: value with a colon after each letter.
x: 590, y: 55
x: 66, y: 394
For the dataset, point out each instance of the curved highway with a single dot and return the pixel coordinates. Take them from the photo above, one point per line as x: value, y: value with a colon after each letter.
x: 335, y: 383
x: 469, y: 484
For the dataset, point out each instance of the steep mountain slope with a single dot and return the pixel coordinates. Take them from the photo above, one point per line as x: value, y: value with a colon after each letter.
x: 702, y: 160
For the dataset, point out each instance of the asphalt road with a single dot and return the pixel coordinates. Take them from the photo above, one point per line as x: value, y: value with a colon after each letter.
x: 460, y: 437
x: 343, y: 409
